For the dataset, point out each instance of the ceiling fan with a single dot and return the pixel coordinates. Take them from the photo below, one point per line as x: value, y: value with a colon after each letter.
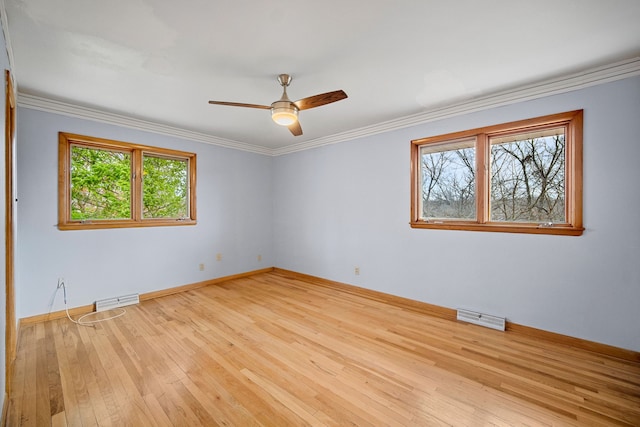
x: 284, y: 111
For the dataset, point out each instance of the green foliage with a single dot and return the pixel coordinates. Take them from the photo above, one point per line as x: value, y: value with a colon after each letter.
x: 100, y: 184
x: 164, y: 188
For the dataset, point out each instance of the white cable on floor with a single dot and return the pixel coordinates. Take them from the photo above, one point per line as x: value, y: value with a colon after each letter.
x: 80, y: 320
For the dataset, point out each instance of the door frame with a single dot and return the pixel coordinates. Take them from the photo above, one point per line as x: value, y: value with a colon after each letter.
x: 10, y: 141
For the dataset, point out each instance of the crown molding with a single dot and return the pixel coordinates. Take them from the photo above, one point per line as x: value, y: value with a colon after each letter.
x: 608, y: 73
x: 70, y: 110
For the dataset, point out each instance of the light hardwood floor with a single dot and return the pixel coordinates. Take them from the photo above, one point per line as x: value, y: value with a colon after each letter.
x: 276, y: 350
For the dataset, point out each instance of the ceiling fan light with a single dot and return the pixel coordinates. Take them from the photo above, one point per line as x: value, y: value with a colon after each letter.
x: 284, y: 115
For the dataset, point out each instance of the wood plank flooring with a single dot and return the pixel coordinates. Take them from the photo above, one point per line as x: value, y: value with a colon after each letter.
x: 275, y: 350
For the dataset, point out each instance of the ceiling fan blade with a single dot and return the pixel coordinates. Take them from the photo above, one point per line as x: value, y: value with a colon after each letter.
x: 319, y: 100
x: 295, y: 128
x: 240, y: 104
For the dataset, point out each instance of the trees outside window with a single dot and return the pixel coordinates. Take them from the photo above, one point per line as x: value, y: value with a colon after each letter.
x: 165, y: 187
x: 528, y: 178
x: 100, y: 184
x: 112, y: 184
x: 448, y: 180
x: 521, y: 177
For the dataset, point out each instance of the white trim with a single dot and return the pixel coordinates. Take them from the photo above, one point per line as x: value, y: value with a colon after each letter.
x: 608, y: 73
x: 70, y: 110
x: 592, y: 77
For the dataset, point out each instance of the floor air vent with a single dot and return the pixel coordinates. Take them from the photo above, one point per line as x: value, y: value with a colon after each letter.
x: 110, y: 303
x: 487, y: 320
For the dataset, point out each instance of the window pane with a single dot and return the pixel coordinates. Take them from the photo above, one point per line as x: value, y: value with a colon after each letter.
x: 448, y: 180
x: 100, y: 184
x: 165, y: 191
x: 528, y: 177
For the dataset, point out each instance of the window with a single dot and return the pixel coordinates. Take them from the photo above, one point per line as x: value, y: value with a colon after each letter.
x: 521, y: 177
x: 111, y: 184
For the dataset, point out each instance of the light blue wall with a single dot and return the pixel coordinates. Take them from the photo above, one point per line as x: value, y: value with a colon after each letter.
x: 234, y: 219
x: 347, y: 205
x: 327, y: 210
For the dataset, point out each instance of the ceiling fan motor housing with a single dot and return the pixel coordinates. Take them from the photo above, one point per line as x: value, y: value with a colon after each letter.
x: 284, y: 112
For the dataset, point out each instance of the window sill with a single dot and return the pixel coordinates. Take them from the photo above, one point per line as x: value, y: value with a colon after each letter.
x: 561, y: 230
x: 96, y: 225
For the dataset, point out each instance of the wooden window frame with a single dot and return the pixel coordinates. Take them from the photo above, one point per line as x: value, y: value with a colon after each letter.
x: 137, y: 151
x: 572, y: 121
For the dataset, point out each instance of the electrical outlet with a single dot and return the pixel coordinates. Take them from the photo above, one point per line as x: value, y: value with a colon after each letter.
x: 357, y: 271
x: 201, y: 267
x: 259, y: 258
x: 218, y: 257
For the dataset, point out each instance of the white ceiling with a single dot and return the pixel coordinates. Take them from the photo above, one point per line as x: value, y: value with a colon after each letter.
x: 163, y: 60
